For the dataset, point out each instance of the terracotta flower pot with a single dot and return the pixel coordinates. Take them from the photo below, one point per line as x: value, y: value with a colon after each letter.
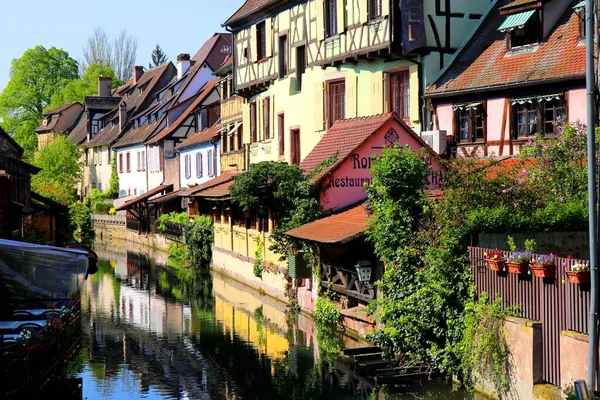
x: 517, y: 267
x: 579, y: 277
x: 542, y: 270
x: 497, y: 264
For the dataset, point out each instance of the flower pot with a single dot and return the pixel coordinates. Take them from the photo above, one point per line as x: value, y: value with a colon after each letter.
x: 517, y: 267
x: 496, y: 264
x: 578, y: 277
x: 542, y: 270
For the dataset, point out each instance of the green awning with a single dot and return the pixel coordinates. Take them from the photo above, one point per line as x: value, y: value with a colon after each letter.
x: 579, y: 6
x: 515, y: 21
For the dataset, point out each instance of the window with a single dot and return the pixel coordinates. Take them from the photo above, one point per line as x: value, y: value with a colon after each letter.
x: 202, y: 119
x: 198, y: 165
x: 300, y: 66
x: 211, y: 169
x: 141, y: 160
x: 232, y: 140
x: 128, y: 161
x: 283, y: 56
x: 224, y: 88
x: 239, y: 138
x: 399, y: 91
x: 374, y: 9
x: 581, y: 13
x: 121, y: 163
x: 526, y: 33
x: 470, y: 121
x: 295, y: 147
x: 261, y: 41
x: 267, y: 118
x: 253, y: 136
x: 187, y: 165
x: 154, y: 160
x: 414, y: 22
x: 336, y: 106
x: 533, y: 116
x: 280, y: 134
x: 330, y: 18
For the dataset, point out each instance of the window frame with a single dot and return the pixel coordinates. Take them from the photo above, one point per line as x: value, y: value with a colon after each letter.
x: 199, y: 169
x: 375, y: 9
x: 283, y: 56
x: 473, y: 117
x: 128, y: 161
x: 261, y: 41
x: 281, y: 133
x: 187, y: 165
x: 300, y: 67
x: 267, y: 118
x: 121, y: 163
x: 253, y: 127
x: 340, y: 105
x: 330, y: 18
x: 402, y: 100
x: 538, y: 109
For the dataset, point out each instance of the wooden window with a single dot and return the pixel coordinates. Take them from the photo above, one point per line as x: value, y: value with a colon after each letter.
x: 554, y: 113
x: 529, y: 33
x: 533, y: 117
x: 239, y: 135
x: 128, y: 161
x: 261, y: 41
x: 300, y: 66
x: 414, y: 22
x: 253, y: 133
x: 527, y: 119
x: 267, y: 118
x: 330, y: 18
x: 198, y: 165
x: 470, y: 122
x: 121, y: 163
x: 399, y: 93
x: 281, y: 133
x: 283, y: 56
x: 374, y: 9
x: 295, y: 147
x: 336, y: 101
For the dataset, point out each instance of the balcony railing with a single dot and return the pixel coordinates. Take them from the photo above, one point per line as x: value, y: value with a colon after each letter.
x: 344, y: 281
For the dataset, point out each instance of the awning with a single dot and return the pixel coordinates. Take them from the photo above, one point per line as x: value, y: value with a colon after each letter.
x: 165, y: 198
x: 521, y: 101
x: 337, y: 228
x: 142, y: 198
x: 514, y: 21
x: 234, y: 129
x: 215, y: 192
x: 466, y: 106
x: 225, y: 177
x: 579, y: 6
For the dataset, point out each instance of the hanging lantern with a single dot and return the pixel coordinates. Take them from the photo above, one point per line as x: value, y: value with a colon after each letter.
x: 215, y: 211
x: 293, y: 246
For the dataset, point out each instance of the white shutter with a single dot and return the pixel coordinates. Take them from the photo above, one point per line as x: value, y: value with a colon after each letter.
x: 319, y: 111
x: 376, y: 93
x: 269, y: 37
x: 253, y: 47
x: 320, y: 28
x: 385, y: 7
x: 363, y: 10
x: 341, y: 15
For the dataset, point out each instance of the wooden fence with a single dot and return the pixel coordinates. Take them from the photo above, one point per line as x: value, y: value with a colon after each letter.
x: 555, y: 302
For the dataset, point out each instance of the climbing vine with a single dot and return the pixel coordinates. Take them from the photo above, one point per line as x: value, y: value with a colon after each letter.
x: 258, y: 257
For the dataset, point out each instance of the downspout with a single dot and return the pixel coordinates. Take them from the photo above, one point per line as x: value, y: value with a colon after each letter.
x: 591, y: 155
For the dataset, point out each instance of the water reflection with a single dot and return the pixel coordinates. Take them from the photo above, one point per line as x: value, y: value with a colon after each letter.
x: 157, y: 332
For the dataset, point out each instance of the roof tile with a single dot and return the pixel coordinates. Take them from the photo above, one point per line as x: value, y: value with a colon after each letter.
x: 199, y: 137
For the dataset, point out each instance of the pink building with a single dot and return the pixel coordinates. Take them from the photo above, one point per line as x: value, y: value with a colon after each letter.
x: 522, y: 70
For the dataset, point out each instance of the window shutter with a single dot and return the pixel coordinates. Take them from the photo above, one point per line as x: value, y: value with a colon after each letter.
x: 201, y: 165
x: 341, y: 15
x: 455, y: 119
x: 376, y: 93
x: 385, y: 7
x: 351, y: 100
x: 319, y: 114
x: 253, y: 41
x: 320, y: 29
x: 484, y: 116
x: 269, y: 37
x: 414, y: 92
x: 161, y: 158
x: 350, y: 16
x: 387, y: 93
x: 363, y: 10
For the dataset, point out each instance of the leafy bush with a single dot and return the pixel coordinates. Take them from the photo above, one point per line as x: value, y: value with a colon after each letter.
x: 80, y: 218
x: 326, y: 312
x: 199, y: 240
x: 181, y: 218
x: 177, y: 253
x: 258, y: 257
x: 102, y: 208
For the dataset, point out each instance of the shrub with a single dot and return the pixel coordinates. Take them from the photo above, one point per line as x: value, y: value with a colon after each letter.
x: 199, y: 240
x: 326, y: 312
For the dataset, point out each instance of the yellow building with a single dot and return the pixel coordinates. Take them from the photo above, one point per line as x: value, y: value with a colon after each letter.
x: 301, y: 66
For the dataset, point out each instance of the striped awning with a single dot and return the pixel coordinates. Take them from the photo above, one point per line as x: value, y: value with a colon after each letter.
x: 579, y: 6
x: 514, y: 21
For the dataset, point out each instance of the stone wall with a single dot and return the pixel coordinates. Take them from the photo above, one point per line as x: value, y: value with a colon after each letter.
x: 107, y: 232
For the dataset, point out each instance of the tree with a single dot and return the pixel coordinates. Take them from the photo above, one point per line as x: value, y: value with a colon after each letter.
x: 118, y: 53
x: 113, y: 190
x: 158, y: 57
x: 61, y: 171
x: 34, y: 78
x: 87, y: 85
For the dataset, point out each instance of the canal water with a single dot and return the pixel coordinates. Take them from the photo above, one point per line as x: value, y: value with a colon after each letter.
x: 152, y: 331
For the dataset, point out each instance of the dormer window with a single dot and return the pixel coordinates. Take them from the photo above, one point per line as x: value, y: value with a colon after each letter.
x: 46, y: 121
x: 522, y: 29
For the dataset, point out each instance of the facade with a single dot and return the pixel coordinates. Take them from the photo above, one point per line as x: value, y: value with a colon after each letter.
x: 304, y: 65
x: 520, y: 73
x: 60, y: 120
x: 199, y: 157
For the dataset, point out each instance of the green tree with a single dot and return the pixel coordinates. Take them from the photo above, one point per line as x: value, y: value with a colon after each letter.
x: 158, y: 57
x: 34, y: 78
x: 113, y: 189
x: 87, y: 85
x: 61, y: 171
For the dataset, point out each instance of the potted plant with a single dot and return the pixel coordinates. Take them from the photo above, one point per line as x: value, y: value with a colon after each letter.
x: 495, y: 259
x: 579, y: 273
x: 518, y: 262
x: 543, y: 266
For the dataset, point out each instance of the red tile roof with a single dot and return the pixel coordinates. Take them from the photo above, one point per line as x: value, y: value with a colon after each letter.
x: 344, y: 136
x: 225, y: 177
x: 337, y: 228
x: 483, y: 64
x: 249, y: 7
x: 200, y: 137
x: 204, y: 93
x: 218, y: 191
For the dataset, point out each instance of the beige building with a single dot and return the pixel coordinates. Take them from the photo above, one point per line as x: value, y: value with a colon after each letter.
x: 60, y: 120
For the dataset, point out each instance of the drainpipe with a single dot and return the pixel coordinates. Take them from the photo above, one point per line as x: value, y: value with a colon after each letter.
x: 591, y: 155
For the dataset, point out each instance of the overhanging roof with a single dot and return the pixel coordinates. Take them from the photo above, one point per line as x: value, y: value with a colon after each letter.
x: 167, y: 197
x: 216, y: 192
x: 337, y: 228
x: 144, y: 197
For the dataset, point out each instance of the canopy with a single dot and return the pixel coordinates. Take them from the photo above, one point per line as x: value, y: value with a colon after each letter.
x: 31, y: 270
x: 579, y: 6
x: 144, y: 197
x: 514, y: 21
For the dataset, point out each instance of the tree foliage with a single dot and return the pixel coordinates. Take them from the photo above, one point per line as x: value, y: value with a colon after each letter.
x: 113, y: 189
x: 61, y: 171
x: 34, y: 78
x: 199, y: 240
x: 87, y: 85
x: 118, y: 53
x: 158, y: 57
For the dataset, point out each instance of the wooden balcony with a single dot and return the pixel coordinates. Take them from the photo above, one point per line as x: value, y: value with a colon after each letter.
x: 345, y: 281
x: 231, y: 110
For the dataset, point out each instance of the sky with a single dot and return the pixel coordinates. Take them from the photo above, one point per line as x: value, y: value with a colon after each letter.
x: 179, y: 26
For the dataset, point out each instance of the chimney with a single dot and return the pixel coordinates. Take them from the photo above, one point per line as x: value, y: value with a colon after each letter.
x: 122, y: 115
x: 104, y: 84
x: 183, y: 64
x: 138, y: 71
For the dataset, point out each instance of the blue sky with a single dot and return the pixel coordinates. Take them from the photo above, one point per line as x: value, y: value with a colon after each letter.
x: 179, y: 26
